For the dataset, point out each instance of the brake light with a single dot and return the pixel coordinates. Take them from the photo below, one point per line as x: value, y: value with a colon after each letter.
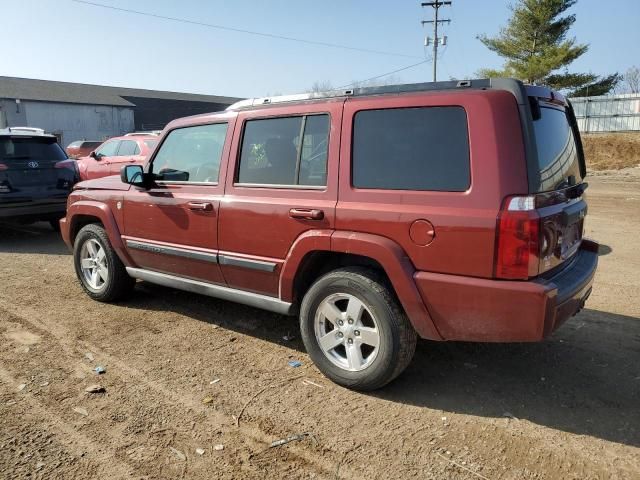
x: 518, y: 232
x: 69, y: 165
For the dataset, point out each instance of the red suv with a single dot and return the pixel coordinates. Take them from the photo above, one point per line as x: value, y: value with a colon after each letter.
x: 110, y: 156
x: 449, y: 211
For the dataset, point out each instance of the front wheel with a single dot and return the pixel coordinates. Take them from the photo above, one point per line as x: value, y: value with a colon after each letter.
x: 99, y: 269
x: 354, y: 329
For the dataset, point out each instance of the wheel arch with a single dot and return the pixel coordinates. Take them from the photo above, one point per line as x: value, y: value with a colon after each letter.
x: 318, y: 252
x: 85, y: 212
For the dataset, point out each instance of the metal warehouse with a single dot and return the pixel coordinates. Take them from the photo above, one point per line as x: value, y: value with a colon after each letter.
x: 76, y: 111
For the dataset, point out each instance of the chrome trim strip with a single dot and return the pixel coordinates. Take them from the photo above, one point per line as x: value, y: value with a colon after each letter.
x: 225, y: 293
x: 178, y: 252
x: 246, y: 263
x: 281, y: 187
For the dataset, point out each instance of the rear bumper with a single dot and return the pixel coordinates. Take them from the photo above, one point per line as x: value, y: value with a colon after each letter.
x: 475, y: 309
x: 46, y: 208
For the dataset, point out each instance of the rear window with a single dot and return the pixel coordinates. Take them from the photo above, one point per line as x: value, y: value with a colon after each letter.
x: 30, y: 148
x: 423, y: 148
x: 557, y: 152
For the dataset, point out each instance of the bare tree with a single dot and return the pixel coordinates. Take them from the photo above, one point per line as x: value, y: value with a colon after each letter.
x: 322, y: 86
x: 631, y: 80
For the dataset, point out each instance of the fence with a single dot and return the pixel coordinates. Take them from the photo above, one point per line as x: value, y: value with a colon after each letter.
x: 615, y: 113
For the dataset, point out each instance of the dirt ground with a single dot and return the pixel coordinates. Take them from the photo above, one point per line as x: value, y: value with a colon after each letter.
x: 566, y: 408
x: 611, y: 151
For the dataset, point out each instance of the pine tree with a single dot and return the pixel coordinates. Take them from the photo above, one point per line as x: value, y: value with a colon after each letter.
x: 537, y: 50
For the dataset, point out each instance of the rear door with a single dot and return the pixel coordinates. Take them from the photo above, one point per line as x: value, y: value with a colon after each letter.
x: 557, y: 177
x: 282, y: 184
x: 173, y: 226
x: 33, y: 166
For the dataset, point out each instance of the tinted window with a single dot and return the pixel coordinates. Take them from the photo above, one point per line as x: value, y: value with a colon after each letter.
x: 411, y: 149
x: 13, y: 148
x: 313, y: 161
x: 557, y: 152
x: 109, y: 149
x: 127, y: 147
x: 274, y: 153
x: 191, y: 154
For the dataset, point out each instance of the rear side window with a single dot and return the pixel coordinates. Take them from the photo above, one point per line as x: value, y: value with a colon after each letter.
x: 285, y: 151
x: 424, y: 148
x: 557, y: 153
x: 191, y: 154
x: 127, y: 147
x: 38, y: 149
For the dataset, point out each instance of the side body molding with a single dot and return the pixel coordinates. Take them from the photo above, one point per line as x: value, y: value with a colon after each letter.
x: 399, y: 269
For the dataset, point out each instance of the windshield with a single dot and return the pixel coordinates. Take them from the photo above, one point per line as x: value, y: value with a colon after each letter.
x: 30, y: 148
x: 558, y: 157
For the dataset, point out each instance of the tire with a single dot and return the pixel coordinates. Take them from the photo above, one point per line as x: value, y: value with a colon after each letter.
x: 361, y: 295
x: 118, y: 284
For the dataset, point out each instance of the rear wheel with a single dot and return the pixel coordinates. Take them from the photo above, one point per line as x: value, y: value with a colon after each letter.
x: 354, y: 329
x: 100, y: 271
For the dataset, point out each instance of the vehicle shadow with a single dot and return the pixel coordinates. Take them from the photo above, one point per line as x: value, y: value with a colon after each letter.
x: 35, y: 238
x: 585, y: 379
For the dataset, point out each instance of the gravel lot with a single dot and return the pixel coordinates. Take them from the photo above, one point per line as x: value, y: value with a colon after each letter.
x: 566, y: 408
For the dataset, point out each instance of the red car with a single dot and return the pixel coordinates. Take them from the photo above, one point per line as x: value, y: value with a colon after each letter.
x: 110, y: 156
x: 447, y: 211
x: 81, y: 148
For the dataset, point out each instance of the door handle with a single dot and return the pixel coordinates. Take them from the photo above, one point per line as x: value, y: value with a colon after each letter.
x: 306, y: 213
x: 202, y: 206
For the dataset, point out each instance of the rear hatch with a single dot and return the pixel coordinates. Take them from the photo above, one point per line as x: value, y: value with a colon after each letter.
x: 34, y: 166
x: 541, y: 231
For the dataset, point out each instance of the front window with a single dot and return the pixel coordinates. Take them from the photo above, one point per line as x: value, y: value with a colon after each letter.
x: 108, y: 149
x: 191, y: 154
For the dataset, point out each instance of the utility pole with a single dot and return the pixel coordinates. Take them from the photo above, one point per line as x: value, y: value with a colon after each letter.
x: 436, y: 5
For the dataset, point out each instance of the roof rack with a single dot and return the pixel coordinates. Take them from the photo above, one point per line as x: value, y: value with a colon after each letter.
x: 24, y: 131
x: 363, y: 91
x: 143, y: 134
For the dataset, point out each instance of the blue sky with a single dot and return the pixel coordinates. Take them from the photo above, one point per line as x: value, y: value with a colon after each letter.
x: 68, y: 41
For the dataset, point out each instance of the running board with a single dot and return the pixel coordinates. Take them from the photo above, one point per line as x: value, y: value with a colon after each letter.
x: 225, y: 293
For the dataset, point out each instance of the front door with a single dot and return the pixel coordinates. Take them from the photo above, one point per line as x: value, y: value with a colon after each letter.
x: 100, y: 166
x: 281, y: 186
x: 173, y: 226
x: 127, y: 153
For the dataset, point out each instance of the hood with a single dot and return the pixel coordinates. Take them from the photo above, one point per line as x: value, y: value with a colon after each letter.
x: 104, y: 183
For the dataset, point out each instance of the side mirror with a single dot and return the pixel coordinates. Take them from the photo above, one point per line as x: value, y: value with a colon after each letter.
x: 133, y: 175
x: 95, y: 156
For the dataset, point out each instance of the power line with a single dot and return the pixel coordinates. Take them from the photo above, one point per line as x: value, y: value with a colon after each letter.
x: 436, y: 6
x: 249, y: 32
x: 383, y: 75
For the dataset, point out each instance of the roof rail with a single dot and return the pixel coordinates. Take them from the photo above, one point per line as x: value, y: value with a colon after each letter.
x: 23, y: 131
x: 363, y: 91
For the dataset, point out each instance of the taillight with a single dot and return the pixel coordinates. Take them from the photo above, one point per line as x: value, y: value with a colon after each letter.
x: 69, y: 165
x: 517, y: 256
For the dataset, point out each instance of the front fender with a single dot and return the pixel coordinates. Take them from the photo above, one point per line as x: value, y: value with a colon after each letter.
x: 89, y: 208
